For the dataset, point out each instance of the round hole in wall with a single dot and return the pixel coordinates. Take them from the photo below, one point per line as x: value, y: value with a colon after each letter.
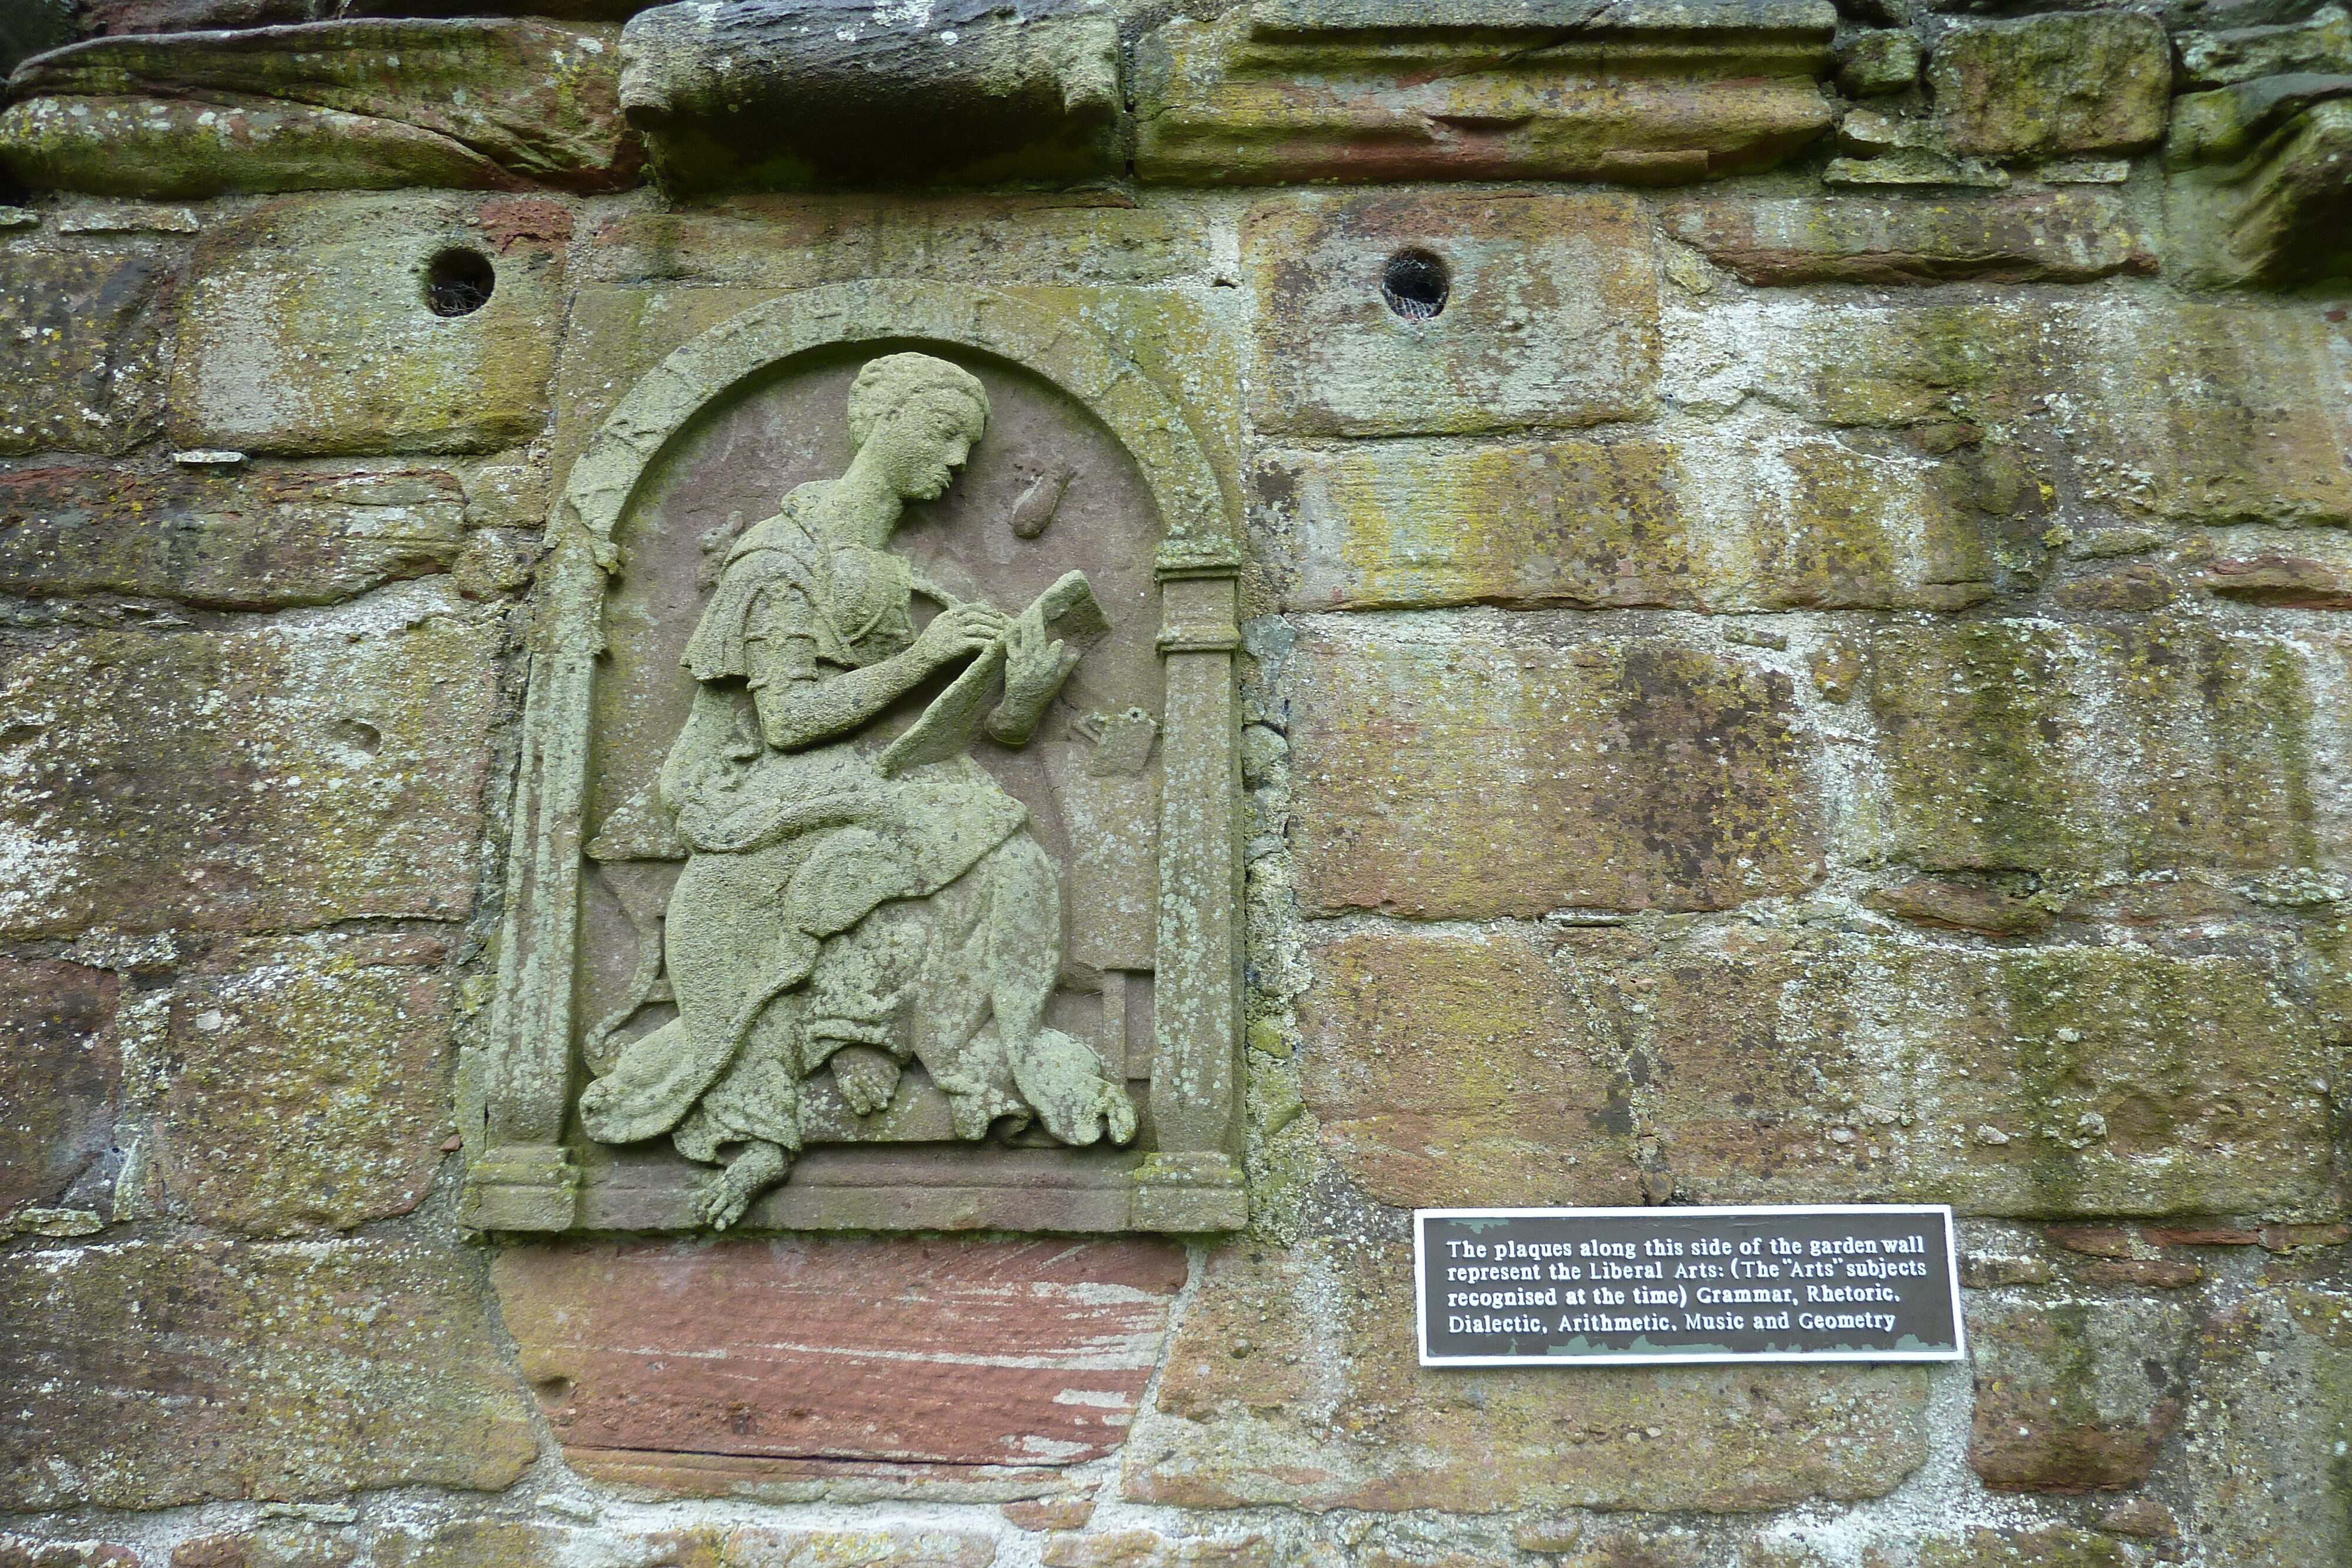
x: 457, y: 282
x: 1415, y: 283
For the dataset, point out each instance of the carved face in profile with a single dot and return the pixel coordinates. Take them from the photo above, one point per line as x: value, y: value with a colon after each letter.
x: 920, y: 443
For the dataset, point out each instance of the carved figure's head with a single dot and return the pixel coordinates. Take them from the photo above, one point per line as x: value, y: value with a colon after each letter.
x: 917, y: 418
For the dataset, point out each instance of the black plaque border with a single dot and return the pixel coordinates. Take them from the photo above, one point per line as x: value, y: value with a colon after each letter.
x: 1959, y: 1351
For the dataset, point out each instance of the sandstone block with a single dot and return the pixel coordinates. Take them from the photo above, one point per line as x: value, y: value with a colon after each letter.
x: 2202, y: 758
x: 2074, y: 1082
x: 1869, y: 64
x: 311, y: 332
x: 178, y: 149
x: 2054, y: 1546
x: 2074, y: 1394
x: 771, y: 93
x: 59, y: 1069
x: 1050, y: 1513
x: 1292, y: 1382
x: 81, y: 343
x: 506, y: 1543
x: 1650, y: 95
x: 2258, y: 193
x: 1086, y: 238
x: 224, y: 540
x: 286, y: 777
x: 2056, y: 235
x: 2050, y: 86
x: 312, y: 1085
x: 287, y: 1545
x: 1571, y: 764
x: 23, y: 1552
x: 1549, y: 314
x: 956, y: 1353
x: 496, y: 103
x: 148, y: 1376
x: 1467, y: 1069
x: 1149, y: 1548
x: 1753, y: 516
x: 2197, y: 413
x: 2321, y: 45
x: 2268, y: 1409
x: 1577, y: 523
x: 2294, y: 583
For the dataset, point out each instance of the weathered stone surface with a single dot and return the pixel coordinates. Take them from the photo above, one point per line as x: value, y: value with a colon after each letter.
x: 2259, y: 193
x: 1960, y: 906
x: 1149, y: 1548
x: 1577, y: 523
x: 82, y: 340
x: 177, y: 149
x: 2321, y: 44
x: 1633, y: 775
x: 1550, y: 317
x: 148, y: 1374
x: 506, y: 1543
x: 2056, y: 235
x: 1873, y: 63
x: 23, y: 1552
x: 2295, y: 582
x: 2059, y: 1083
x: 2271, y: 1409
x: 286, y: 777
x: 2053, y: 1546
x: 114, y: 18
x: 308, y: 332
x: 1050, y: 1513
x: 1740, y: 516
x: 1467, y: 1068
x: 2075, y: 1393
x: 366, y: 104
x: 779, y: 93
x: 2049, y: 86
x: 284, y: 1545
x: 2164, y: 413
x: 59, y: 1068
x: 1635, y: 94
x: 1293, y: 1381
x: 958, y: 1353
x: 312, y: 1083
x: 1743, y: 1068
x: 2203, y: 754
x: 224, y: 540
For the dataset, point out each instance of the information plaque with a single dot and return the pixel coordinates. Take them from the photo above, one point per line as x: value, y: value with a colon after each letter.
x: 1510, y: 1287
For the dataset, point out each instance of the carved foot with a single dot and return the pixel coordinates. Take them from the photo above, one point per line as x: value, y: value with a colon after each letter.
x: 1062, y: 1078
x: 867, y: 1077
x: 720, y: 1201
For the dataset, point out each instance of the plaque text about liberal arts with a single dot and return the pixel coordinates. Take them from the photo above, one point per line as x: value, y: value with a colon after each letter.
x: 1831, y: 1283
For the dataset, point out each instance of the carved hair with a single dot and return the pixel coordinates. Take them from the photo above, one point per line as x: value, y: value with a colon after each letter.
x: 896, y: 381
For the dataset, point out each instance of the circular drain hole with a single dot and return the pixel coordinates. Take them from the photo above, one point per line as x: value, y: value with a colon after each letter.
x: 458, y: 282
x: 1415, y: 283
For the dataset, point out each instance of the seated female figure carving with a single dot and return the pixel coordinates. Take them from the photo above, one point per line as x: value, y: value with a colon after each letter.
x: 837, y: 912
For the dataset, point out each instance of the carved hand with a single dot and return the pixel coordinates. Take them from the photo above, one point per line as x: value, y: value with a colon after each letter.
x: 959, y: 631
x: 1035, y: 668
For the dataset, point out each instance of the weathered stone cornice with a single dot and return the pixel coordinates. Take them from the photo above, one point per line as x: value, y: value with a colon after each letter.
x: 1653, y: 91
x: 794, y: 93
x: 470, y: 104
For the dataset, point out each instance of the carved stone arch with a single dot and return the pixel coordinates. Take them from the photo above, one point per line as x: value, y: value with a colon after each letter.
x: 525, y: 1178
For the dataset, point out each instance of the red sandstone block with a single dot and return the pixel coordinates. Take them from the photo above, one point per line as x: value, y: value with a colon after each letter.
x: 956, y: 1353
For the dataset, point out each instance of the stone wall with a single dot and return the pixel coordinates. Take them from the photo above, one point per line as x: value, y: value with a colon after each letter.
x: 1818, y: 675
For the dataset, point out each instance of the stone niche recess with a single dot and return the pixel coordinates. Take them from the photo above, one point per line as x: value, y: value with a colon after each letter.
x: 977, y: 952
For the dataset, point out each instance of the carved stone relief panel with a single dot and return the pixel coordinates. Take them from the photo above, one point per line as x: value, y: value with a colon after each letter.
x: 877, y: 864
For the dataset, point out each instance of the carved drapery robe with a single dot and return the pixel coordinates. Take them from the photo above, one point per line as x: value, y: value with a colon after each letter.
x: 824, y: 905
